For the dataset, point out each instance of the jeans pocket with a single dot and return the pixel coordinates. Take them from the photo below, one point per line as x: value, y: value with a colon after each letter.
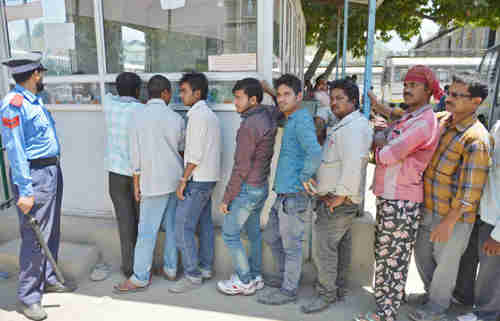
x: 296, y: 206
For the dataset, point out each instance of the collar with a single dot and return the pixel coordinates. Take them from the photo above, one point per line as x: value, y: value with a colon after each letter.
x: 255, y: 110
x: 26, y: 93
x: 200, y: 104
x: 347, y: 119
x: 128, y: 99
x: 295, y: 113
x: 156, y: 101
x: 464, y: 124
x: 417, y: 112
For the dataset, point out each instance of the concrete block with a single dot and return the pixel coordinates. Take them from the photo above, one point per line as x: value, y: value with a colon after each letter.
x: 75, y: 260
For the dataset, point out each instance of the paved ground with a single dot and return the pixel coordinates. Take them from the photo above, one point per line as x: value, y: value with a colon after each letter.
x: 95, y: 301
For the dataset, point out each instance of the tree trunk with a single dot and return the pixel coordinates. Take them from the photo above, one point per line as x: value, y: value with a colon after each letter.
x: 311, y: 70
x: 331, y: 65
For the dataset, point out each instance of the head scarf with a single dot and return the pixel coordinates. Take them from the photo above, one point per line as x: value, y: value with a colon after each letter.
x: 425, y: 75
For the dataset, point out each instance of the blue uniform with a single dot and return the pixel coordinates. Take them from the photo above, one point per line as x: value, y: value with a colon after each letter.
x: 28, y: 134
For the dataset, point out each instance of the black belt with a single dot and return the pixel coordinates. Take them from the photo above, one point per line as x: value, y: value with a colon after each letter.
x: 42, y: 162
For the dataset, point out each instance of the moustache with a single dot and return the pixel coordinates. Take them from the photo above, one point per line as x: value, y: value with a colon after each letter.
x: 407, y: 94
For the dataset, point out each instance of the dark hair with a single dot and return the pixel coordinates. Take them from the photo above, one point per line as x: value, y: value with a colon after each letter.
x: 197, y: 81
x: 476, y: 88
x: 290, y: 81
x: 158, y: 84
x: 350, y: 89
x: 25, y: 76
x: 128, y: 84
x: 251, y: 87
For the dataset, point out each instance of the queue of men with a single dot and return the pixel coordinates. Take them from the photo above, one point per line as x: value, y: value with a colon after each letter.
x: 435, y: 180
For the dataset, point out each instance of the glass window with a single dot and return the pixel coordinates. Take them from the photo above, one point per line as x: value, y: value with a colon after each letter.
x: 63, y: 30
x: 205, y: 35
x: 219, y: 92
x: 71, y: 93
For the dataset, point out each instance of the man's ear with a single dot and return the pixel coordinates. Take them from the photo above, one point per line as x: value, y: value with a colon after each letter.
x: 197, y: 94
x: 477, y: 100
x: 253, y: 101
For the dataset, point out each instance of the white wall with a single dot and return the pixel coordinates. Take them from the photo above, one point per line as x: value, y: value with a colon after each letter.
x: 83, y: 141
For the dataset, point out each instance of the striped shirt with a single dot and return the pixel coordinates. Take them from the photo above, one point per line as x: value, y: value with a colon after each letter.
x: 459, y: 168
x: 402, y: 161
x: 118, y: 111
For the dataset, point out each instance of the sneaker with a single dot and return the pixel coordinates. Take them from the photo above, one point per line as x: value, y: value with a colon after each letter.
x: 185, y: 285
x: 273, y: 280
x: 275, y: 297
x: 234, y: 286
x: 423, y: 315
x: 206, y: 274
x: 471, y: 316
x: 417, y: 298
x: 317, y: 303
x: 33, y: 312
x: 258, y: 282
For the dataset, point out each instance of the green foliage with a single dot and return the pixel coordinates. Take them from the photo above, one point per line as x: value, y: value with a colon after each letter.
x: 402, y: 16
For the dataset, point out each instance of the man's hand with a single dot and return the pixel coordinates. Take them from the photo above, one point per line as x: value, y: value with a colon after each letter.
x: 491, y: 247
x: 224, y: 208
x: 137, y: 193
x: 442, y: 232
x: 25, y: 203
x: 310, y: 186
x: 334, y: 201
x: 180, y: 190
x: 380, y: 139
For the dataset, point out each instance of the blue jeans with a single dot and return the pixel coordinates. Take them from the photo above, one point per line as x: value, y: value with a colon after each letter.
x: 195, y: 208
x: 285, y: 234
x: 245, y: 212
x: 155, y: 211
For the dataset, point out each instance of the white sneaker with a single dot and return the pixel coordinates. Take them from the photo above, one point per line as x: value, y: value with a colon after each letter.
x: 234, y: 286
x: 258, y: 282
x: 467, y: 317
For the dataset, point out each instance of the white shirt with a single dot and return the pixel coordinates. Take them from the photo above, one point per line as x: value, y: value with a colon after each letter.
x: 323, y: 98
x: 489, y: 207
x: 203, y: 143
x: 345, y: 156
x: 156, y: 136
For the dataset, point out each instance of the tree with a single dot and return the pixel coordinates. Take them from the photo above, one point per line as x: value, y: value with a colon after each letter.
x: 402, y: 16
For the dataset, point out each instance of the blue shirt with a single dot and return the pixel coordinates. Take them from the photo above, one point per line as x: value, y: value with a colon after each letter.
x: 300, y: 154
x: 28, y: 132
x: 119, y: 111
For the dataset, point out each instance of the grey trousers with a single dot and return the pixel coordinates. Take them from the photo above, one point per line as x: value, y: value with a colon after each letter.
x: 487, y: 294
x: 333, y: 247
x: 438, y: 263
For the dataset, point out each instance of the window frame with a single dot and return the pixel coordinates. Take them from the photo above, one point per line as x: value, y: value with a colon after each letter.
x: 264, y: 59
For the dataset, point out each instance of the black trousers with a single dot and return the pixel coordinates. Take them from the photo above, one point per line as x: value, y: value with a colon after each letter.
x: 121, y: 191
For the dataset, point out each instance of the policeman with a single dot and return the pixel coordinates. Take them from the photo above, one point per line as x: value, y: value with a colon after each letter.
x: 30, y: 138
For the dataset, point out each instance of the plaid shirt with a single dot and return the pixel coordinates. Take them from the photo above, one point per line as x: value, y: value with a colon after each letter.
x: 459, y: 168
x: 118, y: 111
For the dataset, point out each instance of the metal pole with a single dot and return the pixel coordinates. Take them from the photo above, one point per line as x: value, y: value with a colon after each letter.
x: 344, y: 48
x: 372, y: 9
x: 338, y: 45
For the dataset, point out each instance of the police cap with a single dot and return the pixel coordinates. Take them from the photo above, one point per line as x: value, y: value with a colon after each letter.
x: 23, y: 63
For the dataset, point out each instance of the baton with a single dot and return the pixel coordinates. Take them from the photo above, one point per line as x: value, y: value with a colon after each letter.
x: 35, y: 226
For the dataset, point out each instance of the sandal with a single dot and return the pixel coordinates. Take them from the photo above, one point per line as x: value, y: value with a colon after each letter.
x: 128, y: 287
x: 100, y: 272
x: 367, y: 317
